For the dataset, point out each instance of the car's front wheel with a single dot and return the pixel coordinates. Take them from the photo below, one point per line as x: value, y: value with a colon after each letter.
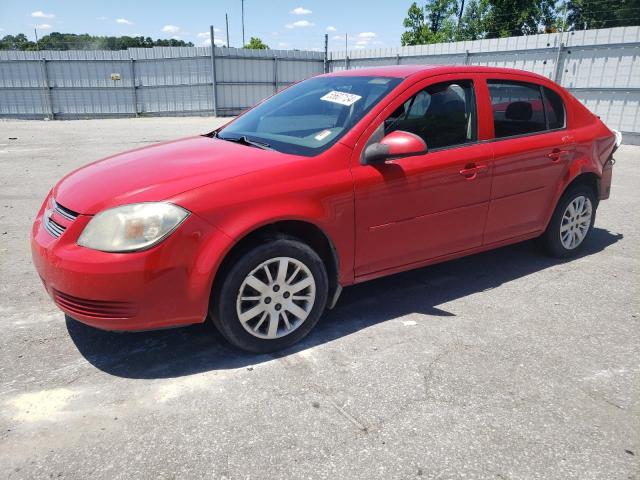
x: 571, y: 223
x: 271, y: 297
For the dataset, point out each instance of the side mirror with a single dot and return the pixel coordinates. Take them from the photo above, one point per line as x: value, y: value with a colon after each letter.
x: 395, y: 145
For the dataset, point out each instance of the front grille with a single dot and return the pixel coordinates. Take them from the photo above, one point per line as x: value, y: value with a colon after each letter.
x: 94, y: 308
x: 65, y: 212
x: 53, y: 227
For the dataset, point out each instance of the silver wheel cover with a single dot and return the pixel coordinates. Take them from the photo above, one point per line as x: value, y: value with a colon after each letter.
x: 575, y: 222
x: 276, y: 298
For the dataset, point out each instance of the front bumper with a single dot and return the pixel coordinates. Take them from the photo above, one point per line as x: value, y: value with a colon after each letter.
x: 166, y: 286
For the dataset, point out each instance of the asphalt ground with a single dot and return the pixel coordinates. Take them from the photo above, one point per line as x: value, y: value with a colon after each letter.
x: 506, y: 364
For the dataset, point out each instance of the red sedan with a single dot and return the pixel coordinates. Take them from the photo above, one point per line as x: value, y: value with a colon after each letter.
x: 336, y: 180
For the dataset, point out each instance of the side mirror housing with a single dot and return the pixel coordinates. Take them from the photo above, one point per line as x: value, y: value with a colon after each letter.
x: 397, y: 144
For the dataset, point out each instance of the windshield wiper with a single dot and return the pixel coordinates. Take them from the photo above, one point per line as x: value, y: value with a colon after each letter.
x: 245, y: 141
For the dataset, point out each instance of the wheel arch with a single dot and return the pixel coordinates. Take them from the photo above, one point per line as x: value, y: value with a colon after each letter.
x: 589, y: 179
x: 307, y: 232
x: 585, y: 177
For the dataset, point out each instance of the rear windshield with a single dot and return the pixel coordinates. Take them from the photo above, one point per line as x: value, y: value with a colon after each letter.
x: 309, y: 117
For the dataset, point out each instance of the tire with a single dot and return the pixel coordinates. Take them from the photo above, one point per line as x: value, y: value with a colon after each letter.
x: 254, y: 288
x: 573, y: 238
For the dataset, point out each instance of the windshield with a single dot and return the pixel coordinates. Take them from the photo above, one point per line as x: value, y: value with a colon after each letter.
x: 310, y: 116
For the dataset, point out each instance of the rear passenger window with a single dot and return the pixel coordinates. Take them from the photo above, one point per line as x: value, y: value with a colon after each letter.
x: 517, y: 108
x: 444, y: 115
x: 553, y: 108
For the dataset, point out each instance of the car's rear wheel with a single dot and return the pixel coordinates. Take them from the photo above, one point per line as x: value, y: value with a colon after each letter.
x: 571, y: 223
x: 271, y: 297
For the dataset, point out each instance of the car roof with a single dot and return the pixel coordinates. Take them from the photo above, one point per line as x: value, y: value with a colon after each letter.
x: 405, y: 71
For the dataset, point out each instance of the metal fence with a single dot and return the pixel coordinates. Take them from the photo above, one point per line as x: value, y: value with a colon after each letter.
x: 146, y: 81
x: 600, y: 67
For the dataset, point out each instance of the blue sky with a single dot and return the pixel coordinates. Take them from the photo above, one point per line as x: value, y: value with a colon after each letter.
x: 282, y: 24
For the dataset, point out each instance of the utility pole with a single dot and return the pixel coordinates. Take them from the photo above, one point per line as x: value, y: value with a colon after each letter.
x: 214, y: 98
x: 326, y: 53
x: 226, y: 19
x: 243, y: 44
x: 346, y: 51
x: 35, y: 30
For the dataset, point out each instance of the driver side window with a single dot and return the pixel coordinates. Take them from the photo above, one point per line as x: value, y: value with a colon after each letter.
x: 444, y: 115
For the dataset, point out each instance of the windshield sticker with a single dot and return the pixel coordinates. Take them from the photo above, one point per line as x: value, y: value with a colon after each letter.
x: 322, y: 135
x: 379, y: 81
x: 343, y: 98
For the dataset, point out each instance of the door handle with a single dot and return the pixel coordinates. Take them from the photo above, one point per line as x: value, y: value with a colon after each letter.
x: 471, y: 171
x: 556, y: 154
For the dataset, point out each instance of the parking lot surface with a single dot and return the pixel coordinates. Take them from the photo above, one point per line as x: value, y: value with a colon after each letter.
x: 506, y: 365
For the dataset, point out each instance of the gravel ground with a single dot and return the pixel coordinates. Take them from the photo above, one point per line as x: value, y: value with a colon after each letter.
x: 502, y: 365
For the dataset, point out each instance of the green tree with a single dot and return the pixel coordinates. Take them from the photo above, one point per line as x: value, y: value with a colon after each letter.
x: 551, y: 19
x: 435, y: 22
x: 84, y: 41
x: 16, y: 42
x: 512, y: 18
x: 447, y: 20
x: 257, y: 44
x: 414, y: 22
x: 585, y: 14
x: 472, y: 25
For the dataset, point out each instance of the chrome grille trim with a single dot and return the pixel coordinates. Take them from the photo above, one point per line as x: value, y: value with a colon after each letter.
x: 64, y: 212
x: 53, y: 228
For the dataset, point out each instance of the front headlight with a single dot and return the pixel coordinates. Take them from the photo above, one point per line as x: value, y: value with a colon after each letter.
x: 132, y: 227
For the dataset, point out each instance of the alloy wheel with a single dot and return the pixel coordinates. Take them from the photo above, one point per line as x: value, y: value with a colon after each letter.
x: 576, y: 221
x: 276, y: 298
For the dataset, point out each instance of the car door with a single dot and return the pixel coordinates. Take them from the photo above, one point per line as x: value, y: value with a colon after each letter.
x: 532, y: 151
x: 410, y: 210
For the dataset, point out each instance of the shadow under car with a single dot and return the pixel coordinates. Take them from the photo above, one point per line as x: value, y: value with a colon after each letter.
x: 198, y: 348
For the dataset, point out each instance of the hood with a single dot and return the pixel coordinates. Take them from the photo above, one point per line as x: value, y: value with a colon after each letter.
x: 158, y: 172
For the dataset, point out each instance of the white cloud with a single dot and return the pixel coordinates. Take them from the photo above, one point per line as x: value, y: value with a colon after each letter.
x: 206, y: 34
x: 43, y: 26
x: 331, y: 29
x: 41, y: 14
x: 218, y: 41
x: 284, y: 44
x: 103, y: 18
x: 123, y: 21
x: 365, y: 39
x: 300, y: 11
x: 359, y: 47
x: 300, y: 23
x: 176, y: 37
x: 170, y: 29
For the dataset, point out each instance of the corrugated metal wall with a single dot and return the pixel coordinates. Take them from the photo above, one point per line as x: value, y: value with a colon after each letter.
x: 154, y: 81
x: 600, y: 67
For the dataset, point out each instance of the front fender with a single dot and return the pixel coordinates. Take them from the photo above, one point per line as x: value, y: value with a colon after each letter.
x: 317, y: 190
